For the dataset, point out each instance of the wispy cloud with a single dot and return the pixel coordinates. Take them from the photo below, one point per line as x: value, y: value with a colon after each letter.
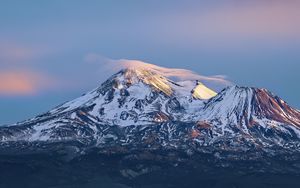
x: 216, y: 82
x: 23, y: 83
x: 12, y: 53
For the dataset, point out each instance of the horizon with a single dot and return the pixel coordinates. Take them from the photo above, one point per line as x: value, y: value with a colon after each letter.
x: 52, y: 52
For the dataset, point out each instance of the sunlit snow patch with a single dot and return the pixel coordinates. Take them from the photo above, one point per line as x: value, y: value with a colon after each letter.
x: 203, y: 92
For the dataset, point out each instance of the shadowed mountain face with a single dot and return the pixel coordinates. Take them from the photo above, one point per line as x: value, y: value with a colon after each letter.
x: 141, y: 127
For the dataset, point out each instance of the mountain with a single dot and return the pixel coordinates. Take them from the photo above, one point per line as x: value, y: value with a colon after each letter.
x: 137, y: 106
x: 141, y: 129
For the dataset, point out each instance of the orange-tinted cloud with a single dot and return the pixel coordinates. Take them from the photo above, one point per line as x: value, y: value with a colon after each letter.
x: 22, y: 82
x: 177, y: 74
x: 109, y: 65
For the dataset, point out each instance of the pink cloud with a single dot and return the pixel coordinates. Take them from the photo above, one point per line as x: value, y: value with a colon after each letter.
x: 179, y: 74
x: 23, y: 82
x: 217, y: 82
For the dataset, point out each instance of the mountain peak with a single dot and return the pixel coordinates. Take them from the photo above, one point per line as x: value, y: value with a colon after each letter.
x: 137, y: 97
x: 160, y: 82
x: 248, y: 105
x: 134, y: 75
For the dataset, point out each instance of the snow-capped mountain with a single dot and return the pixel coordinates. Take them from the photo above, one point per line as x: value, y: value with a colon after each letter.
x: 140, y: 108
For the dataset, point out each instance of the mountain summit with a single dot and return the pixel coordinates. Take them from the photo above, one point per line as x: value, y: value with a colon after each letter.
x: 142, y: 129
x: 140, y: 108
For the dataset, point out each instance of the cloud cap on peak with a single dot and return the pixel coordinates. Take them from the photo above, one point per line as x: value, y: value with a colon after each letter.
x: 217, y: 82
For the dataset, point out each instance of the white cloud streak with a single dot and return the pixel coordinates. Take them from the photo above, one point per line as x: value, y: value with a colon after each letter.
x: 216, y: 82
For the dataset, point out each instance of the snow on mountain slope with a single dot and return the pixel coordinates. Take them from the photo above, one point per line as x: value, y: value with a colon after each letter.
x: 203, y: 92
x: 254, y: 112
x: 133, y: 96
x: 138, y: 106
x: 244, y: 105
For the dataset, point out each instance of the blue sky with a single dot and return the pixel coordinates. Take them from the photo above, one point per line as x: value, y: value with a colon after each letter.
x: 44, y: 45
